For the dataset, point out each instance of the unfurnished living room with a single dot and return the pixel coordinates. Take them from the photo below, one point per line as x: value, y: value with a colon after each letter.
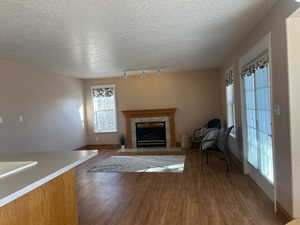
x: 173, y: 112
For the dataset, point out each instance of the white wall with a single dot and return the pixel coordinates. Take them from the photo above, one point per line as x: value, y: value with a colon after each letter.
x: 293, y: 31
x: 274, y: 22
x: 50, y: 106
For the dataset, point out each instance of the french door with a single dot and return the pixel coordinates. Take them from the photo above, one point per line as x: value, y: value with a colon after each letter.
x: 258, y: 116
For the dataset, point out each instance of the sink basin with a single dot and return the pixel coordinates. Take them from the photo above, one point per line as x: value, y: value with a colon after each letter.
x: 8, y: 168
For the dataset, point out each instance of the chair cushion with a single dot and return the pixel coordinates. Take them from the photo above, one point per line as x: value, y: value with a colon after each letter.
x: 210, y: 138
x: 215, y: 123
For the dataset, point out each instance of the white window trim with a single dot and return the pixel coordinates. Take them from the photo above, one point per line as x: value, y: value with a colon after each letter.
x: 116, y: 106
x: 262, y: 45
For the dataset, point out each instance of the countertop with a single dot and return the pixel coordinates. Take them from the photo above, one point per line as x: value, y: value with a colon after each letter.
x: 50, y: 165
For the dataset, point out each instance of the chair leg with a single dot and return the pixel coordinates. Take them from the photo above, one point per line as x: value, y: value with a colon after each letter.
x: 228, y: 162
x: 227, y: 166
x: 202, y: 159
x: 206, y: 157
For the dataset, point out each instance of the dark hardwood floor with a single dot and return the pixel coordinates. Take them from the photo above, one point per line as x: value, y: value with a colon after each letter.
x: 194, y: 197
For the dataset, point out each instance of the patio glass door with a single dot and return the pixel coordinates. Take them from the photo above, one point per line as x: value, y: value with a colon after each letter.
x: 258, y: 114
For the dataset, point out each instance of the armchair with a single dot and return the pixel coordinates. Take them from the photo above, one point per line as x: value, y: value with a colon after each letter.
x: 200, y: 133
x: 217, y: 143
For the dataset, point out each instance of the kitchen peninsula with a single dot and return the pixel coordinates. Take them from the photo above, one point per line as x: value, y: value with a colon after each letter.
x: 44, y: 193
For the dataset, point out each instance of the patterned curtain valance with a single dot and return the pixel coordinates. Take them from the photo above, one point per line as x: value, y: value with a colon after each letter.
x: 228, y: 78
x: 258, y: 63
x: 103, y: 92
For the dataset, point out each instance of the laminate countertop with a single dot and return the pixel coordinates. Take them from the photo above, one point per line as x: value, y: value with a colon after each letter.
x: 49, y: 166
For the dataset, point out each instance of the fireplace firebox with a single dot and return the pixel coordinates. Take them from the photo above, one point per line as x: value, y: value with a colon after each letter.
x: 151, y: 134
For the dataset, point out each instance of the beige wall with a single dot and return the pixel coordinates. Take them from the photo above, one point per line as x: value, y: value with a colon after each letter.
x: 293, y: 28
x: 196, y: 95
x: 275, y: 22
x: 49, y: 104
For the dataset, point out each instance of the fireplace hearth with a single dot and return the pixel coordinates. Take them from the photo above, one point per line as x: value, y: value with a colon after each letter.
x: 151, y: 134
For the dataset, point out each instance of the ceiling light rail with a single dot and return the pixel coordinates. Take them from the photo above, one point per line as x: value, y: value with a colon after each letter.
x: 142, y: 73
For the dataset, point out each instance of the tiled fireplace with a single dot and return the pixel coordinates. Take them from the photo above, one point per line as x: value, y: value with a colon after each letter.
x: 150, y: 132
x: 150, y: 128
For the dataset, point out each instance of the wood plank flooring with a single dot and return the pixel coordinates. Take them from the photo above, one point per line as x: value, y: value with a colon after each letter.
x: 195, y: 197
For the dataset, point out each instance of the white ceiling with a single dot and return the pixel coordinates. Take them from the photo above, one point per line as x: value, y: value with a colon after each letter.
x: 100, y: 38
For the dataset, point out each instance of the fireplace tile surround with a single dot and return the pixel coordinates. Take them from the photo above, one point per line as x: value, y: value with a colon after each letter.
x: 149, y: 119
x: 150, y: 115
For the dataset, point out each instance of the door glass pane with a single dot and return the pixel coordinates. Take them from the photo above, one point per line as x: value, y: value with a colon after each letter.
x: 264, y: 122
x: 249, y: 91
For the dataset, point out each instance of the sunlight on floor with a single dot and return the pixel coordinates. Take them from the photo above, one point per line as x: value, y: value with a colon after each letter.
x: 170, y: 168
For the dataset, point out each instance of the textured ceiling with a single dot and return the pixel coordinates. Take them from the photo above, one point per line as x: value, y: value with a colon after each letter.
x: 100, y: 38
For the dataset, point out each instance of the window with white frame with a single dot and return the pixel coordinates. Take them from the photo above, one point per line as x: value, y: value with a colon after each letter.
x: 229, y: 82
x: 105, y: 112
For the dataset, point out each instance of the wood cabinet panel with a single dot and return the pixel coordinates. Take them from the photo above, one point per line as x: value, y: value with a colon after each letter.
x: 53, y: 203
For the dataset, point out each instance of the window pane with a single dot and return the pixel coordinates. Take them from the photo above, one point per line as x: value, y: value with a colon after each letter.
x: 266, y: 155
x: 264, y: 123
x: 105, y: 112
x: 230, y: 107
x: 261, y: 78
x: 250, y: 109
x: 229, y: 115
x: 252, y: 147
x: 249, y: 83
x: 229, y: 94
x: 250, y: 99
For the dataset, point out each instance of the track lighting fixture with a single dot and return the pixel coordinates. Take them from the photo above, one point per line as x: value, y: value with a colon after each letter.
x: 141, y: 73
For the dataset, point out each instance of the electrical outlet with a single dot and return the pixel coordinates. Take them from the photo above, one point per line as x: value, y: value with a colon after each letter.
x: 1, y: 120
x: 97, y: 138
x: 21, y: 119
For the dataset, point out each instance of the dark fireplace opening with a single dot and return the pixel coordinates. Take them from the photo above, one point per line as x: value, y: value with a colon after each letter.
x: 151, y: 134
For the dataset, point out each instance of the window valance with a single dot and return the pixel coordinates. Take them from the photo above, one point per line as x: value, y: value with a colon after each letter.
x: 228, y: 78
x: 258, y: 63
x: 103, y: 92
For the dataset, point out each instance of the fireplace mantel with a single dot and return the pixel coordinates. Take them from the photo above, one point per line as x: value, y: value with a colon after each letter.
x: 170, y: 113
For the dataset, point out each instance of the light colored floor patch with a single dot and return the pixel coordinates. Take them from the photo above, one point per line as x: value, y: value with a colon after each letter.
x: 150, y: 150
x: 163, y: 164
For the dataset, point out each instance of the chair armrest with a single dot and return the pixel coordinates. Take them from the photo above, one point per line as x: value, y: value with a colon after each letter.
x: 199, y: 130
